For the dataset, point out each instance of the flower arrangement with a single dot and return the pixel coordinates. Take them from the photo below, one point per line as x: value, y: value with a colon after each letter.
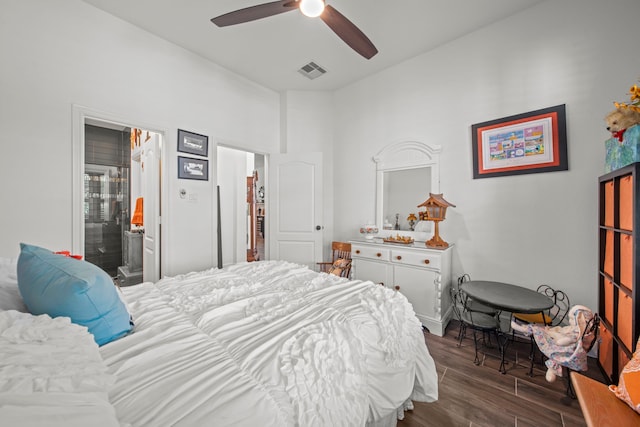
x: 634, y: 100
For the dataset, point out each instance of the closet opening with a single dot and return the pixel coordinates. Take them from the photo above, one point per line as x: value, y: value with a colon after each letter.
x: 243, y: 200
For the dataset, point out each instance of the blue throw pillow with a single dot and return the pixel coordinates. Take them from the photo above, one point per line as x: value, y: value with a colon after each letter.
x: 62, y: 286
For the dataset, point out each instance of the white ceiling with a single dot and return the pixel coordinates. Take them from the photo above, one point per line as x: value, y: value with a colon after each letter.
x: 271, y: 50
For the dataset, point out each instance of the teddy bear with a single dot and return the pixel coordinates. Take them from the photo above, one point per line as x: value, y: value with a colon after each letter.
x: 621, y: 119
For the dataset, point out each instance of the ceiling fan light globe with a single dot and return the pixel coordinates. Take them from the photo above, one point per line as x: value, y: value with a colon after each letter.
x: 311, y: 8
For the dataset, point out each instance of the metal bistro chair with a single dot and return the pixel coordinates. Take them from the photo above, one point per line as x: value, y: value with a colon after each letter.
x: 566, y: 347
x: 555, y: 316
x: 477, y: 321
x: 588, y: 340
x: 472, y: 305
x: 340, y: 264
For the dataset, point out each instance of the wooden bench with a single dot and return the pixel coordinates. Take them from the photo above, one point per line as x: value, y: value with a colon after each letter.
x: 600, y: 407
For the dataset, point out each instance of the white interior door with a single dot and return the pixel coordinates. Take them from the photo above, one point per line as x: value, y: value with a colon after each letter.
x: 295, y: 208
x: 150, y: 183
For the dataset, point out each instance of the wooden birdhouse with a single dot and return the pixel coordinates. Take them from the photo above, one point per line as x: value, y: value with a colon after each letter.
x: 436, y: 209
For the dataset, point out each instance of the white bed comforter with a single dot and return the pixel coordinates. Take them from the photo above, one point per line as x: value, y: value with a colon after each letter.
x: 267, y: 344
x: 51, y: 374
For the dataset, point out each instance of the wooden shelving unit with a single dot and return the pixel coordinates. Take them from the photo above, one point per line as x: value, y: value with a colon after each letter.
x: 619, y: 238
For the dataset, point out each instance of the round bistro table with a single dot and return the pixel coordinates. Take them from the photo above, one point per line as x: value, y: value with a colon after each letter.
x: 510, y: 298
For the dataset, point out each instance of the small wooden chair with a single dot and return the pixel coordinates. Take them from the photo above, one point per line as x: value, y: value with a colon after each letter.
x: 340, y: 263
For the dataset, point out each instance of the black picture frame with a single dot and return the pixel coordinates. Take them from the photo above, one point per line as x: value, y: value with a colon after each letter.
x: 530, y: 142
x: 193, y: 143
x: 192, y: 168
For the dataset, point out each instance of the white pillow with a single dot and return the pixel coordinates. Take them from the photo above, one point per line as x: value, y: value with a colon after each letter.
x: 10, y: 298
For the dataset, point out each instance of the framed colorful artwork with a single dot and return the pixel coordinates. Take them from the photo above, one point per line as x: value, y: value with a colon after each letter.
x: 531, y: 142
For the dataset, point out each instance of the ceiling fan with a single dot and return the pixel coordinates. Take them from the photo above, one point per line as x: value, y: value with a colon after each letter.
x: 340, y: 25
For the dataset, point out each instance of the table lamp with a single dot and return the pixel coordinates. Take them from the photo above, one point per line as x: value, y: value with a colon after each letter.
x: 436, y: 209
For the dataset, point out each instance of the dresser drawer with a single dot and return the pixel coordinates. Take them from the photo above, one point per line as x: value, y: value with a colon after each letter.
x: 370, y: 252
x: 417, y: 259
x: 421, y: 274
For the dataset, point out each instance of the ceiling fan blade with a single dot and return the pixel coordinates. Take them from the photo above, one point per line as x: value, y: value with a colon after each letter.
x: 348, y: 32
x: 255, y: 12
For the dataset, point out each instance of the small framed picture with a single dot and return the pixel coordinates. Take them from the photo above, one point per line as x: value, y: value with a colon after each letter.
x: 193, y: 143
x: 190, y: 168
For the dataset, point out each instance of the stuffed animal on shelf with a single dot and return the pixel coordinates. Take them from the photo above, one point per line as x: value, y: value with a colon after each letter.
x: 621, y: 119
x: 623, y: 148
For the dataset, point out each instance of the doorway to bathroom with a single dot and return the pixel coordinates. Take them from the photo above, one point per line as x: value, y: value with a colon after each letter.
x: 119, y: 174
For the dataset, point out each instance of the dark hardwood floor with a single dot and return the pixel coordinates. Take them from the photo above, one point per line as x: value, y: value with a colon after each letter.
x: 474, y: 396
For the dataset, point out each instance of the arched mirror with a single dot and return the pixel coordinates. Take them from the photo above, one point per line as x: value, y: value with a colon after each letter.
x: 406, y: 172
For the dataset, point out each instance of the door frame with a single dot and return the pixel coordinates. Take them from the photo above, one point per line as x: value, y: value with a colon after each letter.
x: 80, y: 114
x: 239, y: 244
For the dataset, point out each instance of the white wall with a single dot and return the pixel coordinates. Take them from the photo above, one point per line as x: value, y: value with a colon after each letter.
x: 56, y: 54
x: 528, y: 229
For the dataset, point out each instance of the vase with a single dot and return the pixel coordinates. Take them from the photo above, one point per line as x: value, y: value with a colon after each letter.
x: 368, y: 231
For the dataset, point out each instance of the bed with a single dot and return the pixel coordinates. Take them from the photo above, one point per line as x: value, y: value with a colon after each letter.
x: 267, y: 343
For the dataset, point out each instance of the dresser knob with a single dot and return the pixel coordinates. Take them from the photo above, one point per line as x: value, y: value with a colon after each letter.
x: 357, y: 251
x: 396, y: 287
x: 381, y: 283
x: 378, y: 254
x: 426, y: 261
x: 398, y: 257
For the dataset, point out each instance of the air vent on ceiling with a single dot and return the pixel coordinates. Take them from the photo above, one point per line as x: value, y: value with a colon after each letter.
x: 312, y: 70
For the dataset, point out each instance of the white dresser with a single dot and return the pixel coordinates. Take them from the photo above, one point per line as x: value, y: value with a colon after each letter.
x: 423, y: 275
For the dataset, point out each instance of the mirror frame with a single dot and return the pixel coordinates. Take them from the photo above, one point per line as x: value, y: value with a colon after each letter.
x: 405, y: 155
